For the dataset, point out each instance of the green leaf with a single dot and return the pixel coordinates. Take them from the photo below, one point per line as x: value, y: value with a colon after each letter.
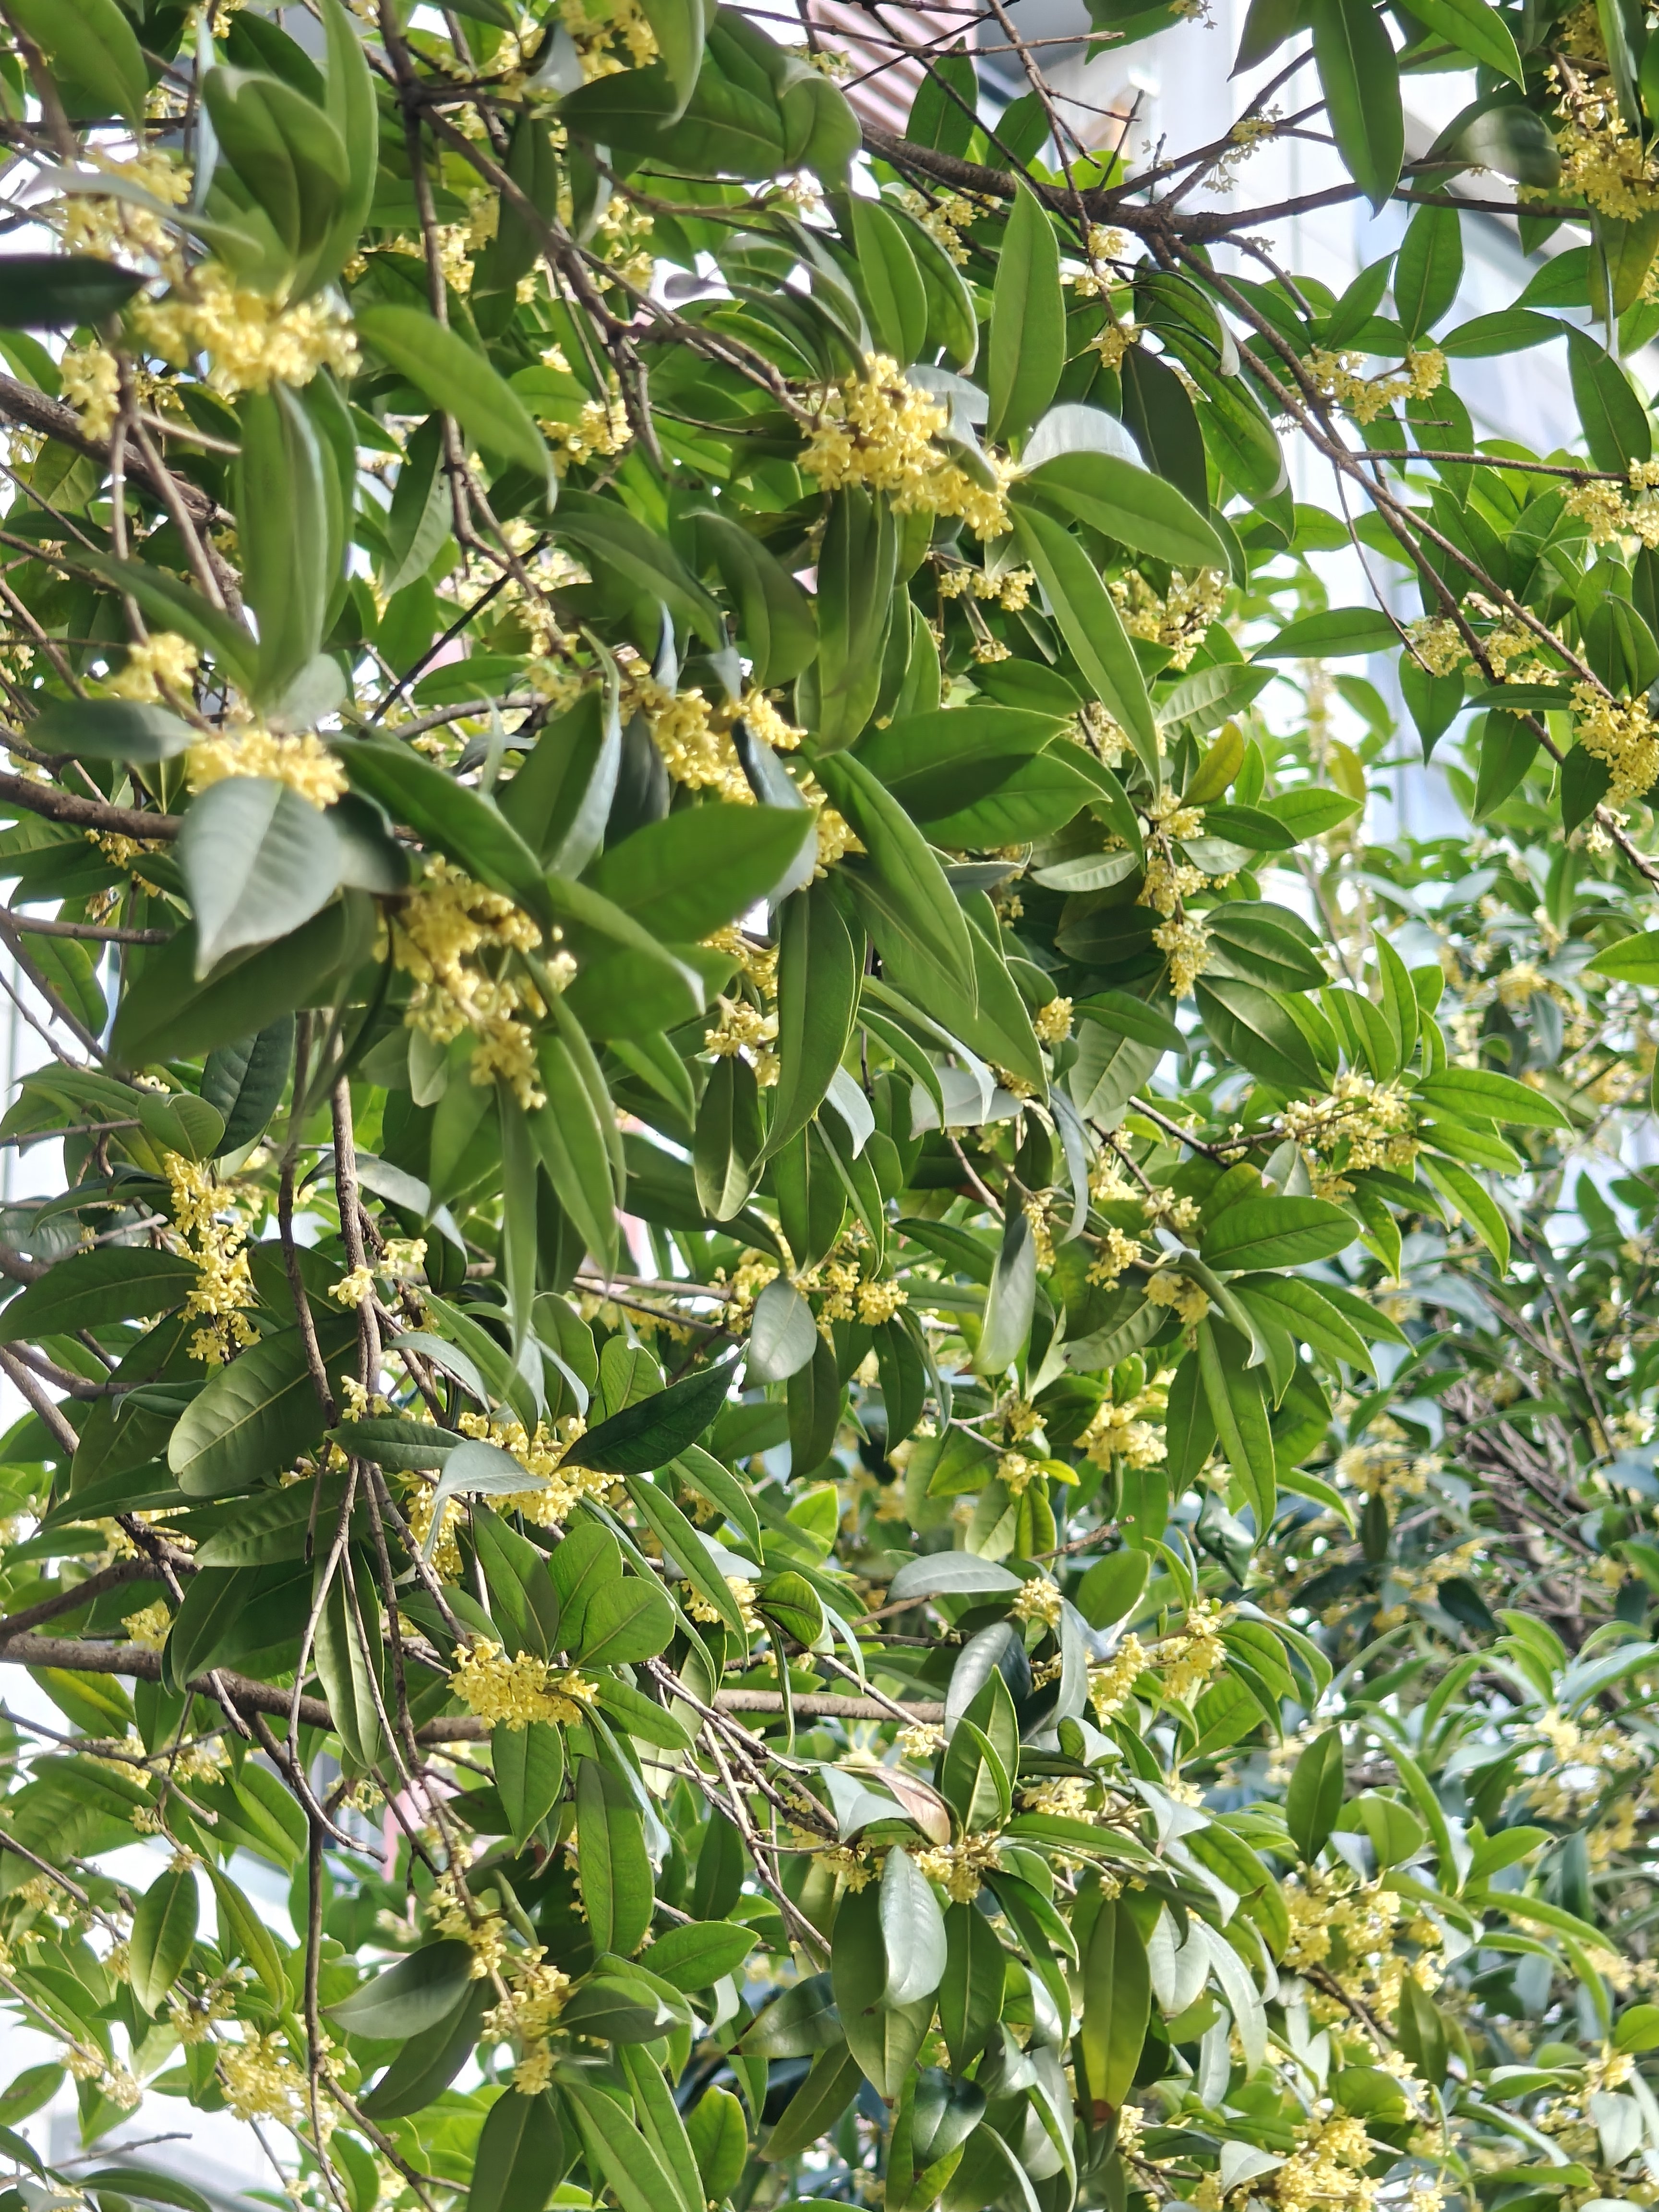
x: 857, y: 563
x: 720, y: 2141
x: 1276, y: 1232
x: 1288, y: 1303
x: 175, y: 605
x: 690, y: 874
x: 777, y: 621
x: 1238, y: 1400
x: 1116, y: 2006
x: 912, y: 1930
x: 1481, y: 1094
x: 1010, y: 1305
x: 89, y: 1290
x: 254, y: 1416
x: 903, y: 874
x: 528, y: 1764
x: 347, y: 1671
x: 625, y: 1623
x: 94, y: 55
x: 1429, y: 267
x: 1615, y: 422
x: 1028, y: 321
x: 648, y: 561
x: 1314, y: 1796
x: 1338, y: 634
x: 783, y: 1334
x: 243, y: 1934
x: 282, y: 530
x: 1477, y: 1205
x: 571, y: 1133
x: 617, y: 2150
x: 894, y: 296
x: 695, y: 1956
x: 1360, y: 80
x: 615, y: 1871
x: 57, y: 291
x: 521, y: 2146
x: 446, y: 371
x: 830, y: 2088
x: 1092, y: 628
x: 257, y: 860
x: 1130, y: 504
x: 1250, y: 1026
x: 1632, y: 960
x: 419, y: 1993
x: 163, y: 1933
x: 1479, y: 31
x: 1512, y: 330
x: 818, y: 971
x: 462, y: 823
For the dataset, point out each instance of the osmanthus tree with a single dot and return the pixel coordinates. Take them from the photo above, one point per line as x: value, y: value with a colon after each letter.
x: 895, y: 1435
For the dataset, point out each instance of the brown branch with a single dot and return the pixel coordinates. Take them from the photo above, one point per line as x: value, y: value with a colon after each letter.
x: 92, y: 932
x: 85, y: 813
x: 21, y: 402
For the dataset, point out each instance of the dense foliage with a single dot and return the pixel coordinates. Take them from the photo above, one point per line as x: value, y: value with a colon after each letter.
x: 893, y: 1433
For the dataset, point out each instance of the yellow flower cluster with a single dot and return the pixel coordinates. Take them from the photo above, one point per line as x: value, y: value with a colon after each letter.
x: 1011, y: 589
x: 164, y: 666
x: 1133, y: 1431
x: 1186, y: 943
x: 601, y: 427
x: 1118, y: 1251
x: 1053, y: 1023
x: 438, y: 933
x: 1600, y: 156
x: 702, y: 1608
x: 261, y: 2082
x: 743, y: 1030
x: 1361, y: 1124
x: 1112, y: 1681
x: 1601, y: 508
x: 148, y: 1628
x: 1040, y: 1600
x: 1364, y: 398
x: 851, y: 1297
x: 116, y: 229
x: 1115, y: 341
x: 960, y: 1868
x: 1439, y: 644
x: 878, y: 430
x: 1166, y: 1286
x: 944, y: 220
x: 210, y: 1231
x: 1621, y: 733
x: 510, y: 1694
x: 1328, y: 2167
x: 695, y: 736
x: 251, y: 341
x: 483, y: 1932
x: 554, y: 1491
x: 598, y: 28
x: 1379, y: 1465
x: 536, y: 1997
x: 90, y: 380
x: 1180, y: 619
x: 303, y: 763
x: 1188, y: 1661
